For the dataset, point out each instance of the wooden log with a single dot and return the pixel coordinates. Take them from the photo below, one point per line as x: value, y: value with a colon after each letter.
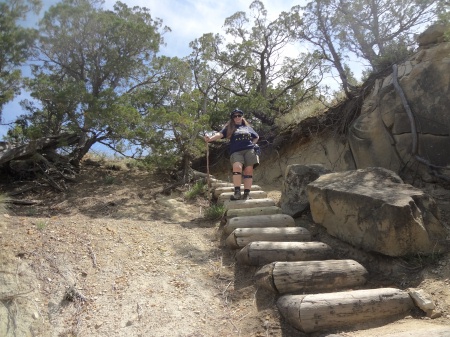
x: 216, y: 184
x: 253, y: 203
x: 259, y: 221
x: 225, y: 196
x: 230, y: 189
x: 311, y: 276
x: 263, y: 252
x: 311, y: 313
x: 232, y: 213
x: 241, y: 237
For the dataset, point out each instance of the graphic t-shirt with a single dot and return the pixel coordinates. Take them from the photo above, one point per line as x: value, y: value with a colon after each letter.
x: 241, y: 138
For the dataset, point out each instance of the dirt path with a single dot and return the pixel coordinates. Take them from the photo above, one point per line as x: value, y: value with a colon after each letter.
x: 112, y: 257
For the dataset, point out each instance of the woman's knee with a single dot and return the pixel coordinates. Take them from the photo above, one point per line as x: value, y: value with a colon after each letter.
x: 237, y: 166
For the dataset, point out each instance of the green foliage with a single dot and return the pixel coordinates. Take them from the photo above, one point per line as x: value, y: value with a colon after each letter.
x: 251, y: 72
x: 214, y: 212
x: 93, y: 61
x: 394, y: 53
x: 109, y: 180
x: 40, y: 225
x: 15, y: 42
x: 198, y: 189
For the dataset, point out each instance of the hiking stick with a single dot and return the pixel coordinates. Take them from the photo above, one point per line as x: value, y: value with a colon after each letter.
x: 207, y: 173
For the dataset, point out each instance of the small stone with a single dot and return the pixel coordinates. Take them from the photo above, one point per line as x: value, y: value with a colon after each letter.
x: 98, y: 325
x: 35, y: 315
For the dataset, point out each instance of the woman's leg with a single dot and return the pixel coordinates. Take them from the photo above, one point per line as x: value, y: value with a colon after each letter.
x: 248, y: 181
x: 237, y: 180
x: 248, y: 177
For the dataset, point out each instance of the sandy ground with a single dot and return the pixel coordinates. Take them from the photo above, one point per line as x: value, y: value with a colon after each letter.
x: 112, y: 257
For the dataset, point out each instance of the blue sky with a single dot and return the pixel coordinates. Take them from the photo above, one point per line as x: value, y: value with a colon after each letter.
x: 188, y: 19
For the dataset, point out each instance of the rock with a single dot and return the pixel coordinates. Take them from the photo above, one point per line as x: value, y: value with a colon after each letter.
x: 374, y: 210
x: 382, y: 136
x: 294, y: 199
x: 422, y: 300
x: 433, y: 34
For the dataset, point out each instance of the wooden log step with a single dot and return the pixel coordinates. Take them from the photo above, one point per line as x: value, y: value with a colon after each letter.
x: 241, y: 237
x: 316, y: 312
x: 220, y: 184
x: 258, y: 221
x: 230, y: 189
x: 233, y: 213
x: 311, y: 276
x: 263, y: 252
x: 252, y: 203
x: 225, y: 196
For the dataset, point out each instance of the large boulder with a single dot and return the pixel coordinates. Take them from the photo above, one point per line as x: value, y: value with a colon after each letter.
x: 383, y: 134
x: 374, y: 210
x: 294, y: 200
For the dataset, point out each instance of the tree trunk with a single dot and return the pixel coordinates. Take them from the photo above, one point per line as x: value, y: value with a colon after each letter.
x: 224, y: 198
x: 232, y: 213
x: 84, y: 145
x: 241, y: 204
x: 40, y: 145
x: 243, y: 236
x: 259, y: 221
x: 262, y: 252
x: 311, y: 276
x: 311, y: 313
x: 229, y: 187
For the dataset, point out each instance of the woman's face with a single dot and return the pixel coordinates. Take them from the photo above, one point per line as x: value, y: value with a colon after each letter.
x: 237, y: 118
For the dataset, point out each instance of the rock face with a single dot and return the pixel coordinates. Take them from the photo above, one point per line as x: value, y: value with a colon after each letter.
x: 294, y: 200
x: 374, y: 210
x: 383, y: 134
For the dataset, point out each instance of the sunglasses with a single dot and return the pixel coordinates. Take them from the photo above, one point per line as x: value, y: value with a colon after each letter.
x: 237, y: 116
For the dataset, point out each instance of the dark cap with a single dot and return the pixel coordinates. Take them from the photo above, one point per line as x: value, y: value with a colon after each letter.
x: 236, y: 111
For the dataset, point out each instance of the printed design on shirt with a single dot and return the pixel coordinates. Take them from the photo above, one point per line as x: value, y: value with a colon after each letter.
x: 242, y: 134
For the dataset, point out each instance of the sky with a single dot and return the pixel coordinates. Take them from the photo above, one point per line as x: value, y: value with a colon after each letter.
x: 188, y: 20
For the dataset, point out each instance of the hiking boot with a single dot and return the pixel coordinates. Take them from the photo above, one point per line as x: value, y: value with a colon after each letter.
x: 246, y: 196
x: 236, y: 196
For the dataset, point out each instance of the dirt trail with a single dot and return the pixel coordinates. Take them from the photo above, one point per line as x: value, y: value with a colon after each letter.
x: 112, y: 257
x: 109, y: 259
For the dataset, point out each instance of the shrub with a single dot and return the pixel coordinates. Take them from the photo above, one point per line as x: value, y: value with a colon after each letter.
x: 197, y: 189
x: 214, y: 212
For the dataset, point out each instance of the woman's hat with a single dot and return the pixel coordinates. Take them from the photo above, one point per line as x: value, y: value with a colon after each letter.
x: 235, y: 111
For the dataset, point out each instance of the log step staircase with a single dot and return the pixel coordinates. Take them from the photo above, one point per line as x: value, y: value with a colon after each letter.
x: 316, y: 292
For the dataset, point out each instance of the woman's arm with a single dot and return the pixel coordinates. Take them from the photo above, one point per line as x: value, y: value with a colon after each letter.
x: 217, y: 135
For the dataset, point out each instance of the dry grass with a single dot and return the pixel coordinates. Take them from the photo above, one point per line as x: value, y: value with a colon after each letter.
x: 301, y: 112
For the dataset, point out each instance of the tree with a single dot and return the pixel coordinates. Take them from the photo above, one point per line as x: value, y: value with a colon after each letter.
x: 373, y: 29
x: 177, y: 123
x: 253, y: 68
x: 16, y: 42
x: 319, y: 28
x: 92, y: 63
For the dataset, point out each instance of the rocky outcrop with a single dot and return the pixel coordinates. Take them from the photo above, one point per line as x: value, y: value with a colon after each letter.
x: 294, y: 200
x: 384, y: 135
x: 374, y: 210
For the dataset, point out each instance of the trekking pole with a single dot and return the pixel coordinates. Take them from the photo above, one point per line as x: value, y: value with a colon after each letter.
x: 207, y: 173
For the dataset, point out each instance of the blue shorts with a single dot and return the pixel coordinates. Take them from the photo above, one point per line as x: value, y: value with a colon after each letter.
x: 245, y: 157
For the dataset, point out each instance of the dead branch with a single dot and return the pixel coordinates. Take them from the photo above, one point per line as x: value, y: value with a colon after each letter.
x: 7, y: 298
x: 21, y: 202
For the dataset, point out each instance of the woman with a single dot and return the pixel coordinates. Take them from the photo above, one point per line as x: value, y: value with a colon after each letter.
x: 243, y: 157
